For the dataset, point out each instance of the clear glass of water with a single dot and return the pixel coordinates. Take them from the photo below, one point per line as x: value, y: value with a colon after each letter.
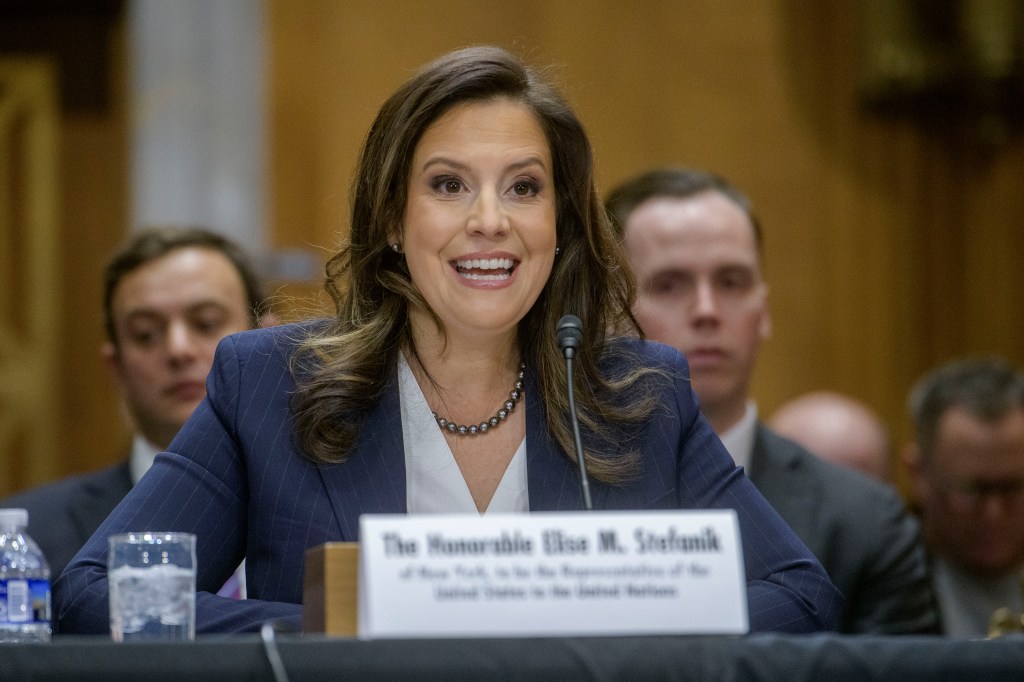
x: 152, y: 579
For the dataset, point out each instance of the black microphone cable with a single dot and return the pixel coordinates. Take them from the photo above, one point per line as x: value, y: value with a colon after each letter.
x: 570, y: 336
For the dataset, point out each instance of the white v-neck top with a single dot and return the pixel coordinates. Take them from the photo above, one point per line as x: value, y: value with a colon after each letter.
x: 433, y: 482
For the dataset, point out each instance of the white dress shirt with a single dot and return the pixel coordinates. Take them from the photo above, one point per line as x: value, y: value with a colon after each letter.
x: 739, y: 439
x: 141, y: 458
x: 967, y: 603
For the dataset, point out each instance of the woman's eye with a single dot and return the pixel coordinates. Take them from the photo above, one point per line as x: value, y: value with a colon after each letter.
x: 525, y: 188
x: 448, y: 185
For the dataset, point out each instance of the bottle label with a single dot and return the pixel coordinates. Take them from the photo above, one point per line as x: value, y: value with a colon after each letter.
x: 24, y: 602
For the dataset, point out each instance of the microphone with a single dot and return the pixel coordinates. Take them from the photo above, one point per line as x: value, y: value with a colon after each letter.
x: 570, y: 337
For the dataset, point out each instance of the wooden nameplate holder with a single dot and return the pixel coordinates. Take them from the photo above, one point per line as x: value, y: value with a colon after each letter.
x: 329, y: 594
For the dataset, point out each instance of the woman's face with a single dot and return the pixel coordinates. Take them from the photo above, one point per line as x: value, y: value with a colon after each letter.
x: 479, y: 226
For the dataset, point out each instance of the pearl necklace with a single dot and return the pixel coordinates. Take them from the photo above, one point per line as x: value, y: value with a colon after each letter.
x: 487, y: 425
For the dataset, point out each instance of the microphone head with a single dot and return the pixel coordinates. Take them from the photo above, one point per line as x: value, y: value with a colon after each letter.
x: 569, y: 332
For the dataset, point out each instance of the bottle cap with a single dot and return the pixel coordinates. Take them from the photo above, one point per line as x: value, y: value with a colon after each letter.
x: 13, y: 517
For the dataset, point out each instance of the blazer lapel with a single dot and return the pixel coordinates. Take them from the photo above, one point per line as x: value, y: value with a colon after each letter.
x: 372, y: 479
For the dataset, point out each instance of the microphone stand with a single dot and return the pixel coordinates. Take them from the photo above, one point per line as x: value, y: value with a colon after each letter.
x: 570, y: 334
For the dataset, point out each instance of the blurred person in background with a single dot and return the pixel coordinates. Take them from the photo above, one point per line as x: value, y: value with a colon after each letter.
x: 837, y: 428
x: 695, y: 245
x: 170, y: 295
x: 967, y: 472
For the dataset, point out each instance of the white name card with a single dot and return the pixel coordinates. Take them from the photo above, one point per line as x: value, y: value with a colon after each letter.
x: 551, y: 574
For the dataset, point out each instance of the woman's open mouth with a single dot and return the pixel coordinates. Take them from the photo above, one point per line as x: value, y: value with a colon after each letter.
x: 485, y: 269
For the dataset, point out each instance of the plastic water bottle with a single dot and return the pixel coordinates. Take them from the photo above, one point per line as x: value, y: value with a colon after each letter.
x: 24, y: 582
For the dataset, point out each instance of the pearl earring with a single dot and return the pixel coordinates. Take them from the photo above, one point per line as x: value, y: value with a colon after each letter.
x: 558, y: 250
x: 396, y: 248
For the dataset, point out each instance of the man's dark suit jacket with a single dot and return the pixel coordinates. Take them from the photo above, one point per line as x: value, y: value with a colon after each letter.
x: 859, y: 530
x: 235, y: 477
x: 64, y: 514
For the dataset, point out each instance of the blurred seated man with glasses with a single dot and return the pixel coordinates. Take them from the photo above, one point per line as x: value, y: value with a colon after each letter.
x: 967, y: 471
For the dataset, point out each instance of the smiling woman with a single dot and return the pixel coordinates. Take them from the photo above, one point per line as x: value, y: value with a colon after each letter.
x: 474, y: 173
x: 479, y: 236
x: 478, y: 230
x: 475, y: 226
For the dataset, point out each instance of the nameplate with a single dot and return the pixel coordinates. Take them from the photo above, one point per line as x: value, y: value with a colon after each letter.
x: 551, y: 574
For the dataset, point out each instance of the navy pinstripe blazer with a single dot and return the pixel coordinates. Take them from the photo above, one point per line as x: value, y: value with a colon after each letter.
x: 234, y: 477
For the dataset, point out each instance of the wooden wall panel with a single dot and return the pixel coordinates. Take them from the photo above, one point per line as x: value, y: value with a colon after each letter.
x: 891, y: 245
x: 76, y: 423
x: 30, y: 310
x: 93, y: 223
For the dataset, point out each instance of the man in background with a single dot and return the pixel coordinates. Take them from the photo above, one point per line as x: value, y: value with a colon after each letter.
x: 170, y: 295
x: 967, y: 473
x: 696, y: 248
x: 837, y: 428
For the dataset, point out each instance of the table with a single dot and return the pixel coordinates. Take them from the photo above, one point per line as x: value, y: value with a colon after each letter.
x: 828, y: 657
